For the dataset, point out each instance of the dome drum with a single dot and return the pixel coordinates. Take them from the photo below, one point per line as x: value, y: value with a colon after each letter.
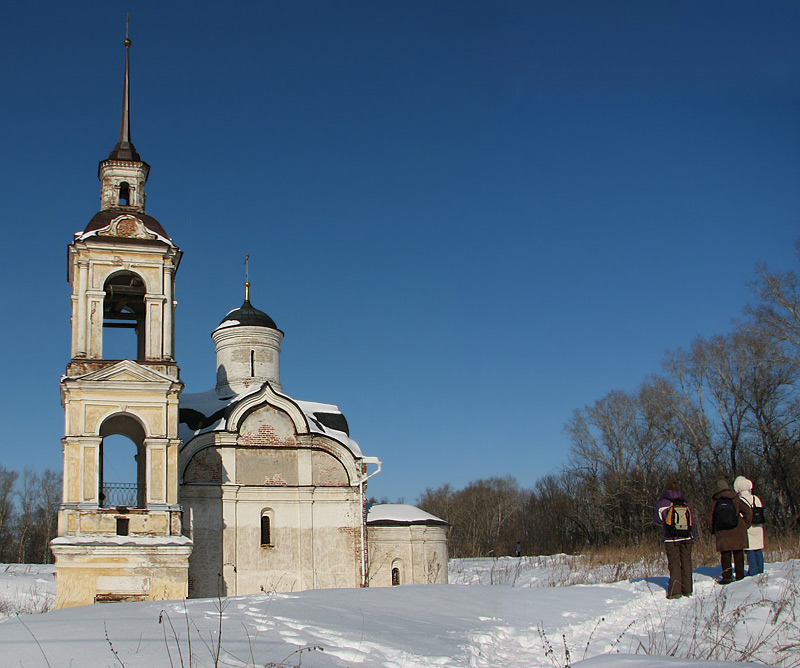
x: 247, y: 357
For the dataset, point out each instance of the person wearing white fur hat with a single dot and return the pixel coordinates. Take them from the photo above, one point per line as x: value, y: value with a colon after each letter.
x: 755, y: 534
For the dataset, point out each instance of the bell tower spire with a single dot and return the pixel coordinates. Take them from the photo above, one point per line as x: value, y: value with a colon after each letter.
x: 124, y: 173
x: 125, y: 150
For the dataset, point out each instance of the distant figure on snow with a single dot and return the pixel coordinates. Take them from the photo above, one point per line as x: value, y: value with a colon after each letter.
x: 674, y: 515
x: 755, y: 534
x: 730, y: 517
x: 518, y: 551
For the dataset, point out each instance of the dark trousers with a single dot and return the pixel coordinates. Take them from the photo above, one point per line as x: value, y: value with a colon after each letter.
x: 679, y: 560
x: 737, y: 556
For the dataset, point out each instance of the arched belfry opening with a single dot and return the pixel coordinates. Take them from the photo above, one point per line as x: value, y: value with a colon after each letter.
x: 124, y: 317
x: 122, y: 463
x: 124, y: 193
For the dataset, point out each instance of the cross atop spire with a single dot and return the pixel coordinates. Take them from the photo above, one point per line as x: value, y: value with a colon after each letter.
x: 247, y: 278
x: 125, y: 150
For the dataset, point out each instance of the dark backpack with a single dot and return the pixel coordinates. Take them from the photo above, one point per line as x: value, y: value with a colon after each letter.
x: 678, y: 520
x: 726, y: 515
x: 758, y: 514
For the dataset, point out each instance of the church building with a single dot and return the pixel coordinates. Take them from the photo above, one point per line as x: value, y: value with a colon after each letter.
x: 238, y: 490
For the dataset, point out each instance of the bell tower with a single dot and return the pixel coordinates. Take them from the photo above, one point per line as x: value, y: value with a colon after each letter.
x: 121, y: 539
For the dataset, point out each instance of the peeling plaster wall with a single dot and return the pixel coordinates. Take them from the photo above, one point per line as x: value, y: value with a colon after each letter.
x: 315, y: 513
x: 204, y: 525
x: 418, y: 550
x: 93, y: 573
x: 315, y: 538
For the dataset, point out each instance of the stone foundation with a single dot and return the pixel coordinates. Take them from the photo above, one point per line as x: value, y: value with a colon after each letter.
x: 94, y: 569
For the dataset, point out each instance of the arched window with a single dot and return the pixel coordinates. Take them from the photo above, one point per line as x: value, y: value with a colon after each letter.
x: 267, y: 528
x: 124, y: 317
x: 124, y: 194
x: 122, y: 464
x: 397, y: 565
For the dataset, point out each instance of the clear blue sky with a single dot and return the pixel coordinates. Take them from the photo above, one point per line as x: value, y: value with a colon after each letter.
x: 469, y: 218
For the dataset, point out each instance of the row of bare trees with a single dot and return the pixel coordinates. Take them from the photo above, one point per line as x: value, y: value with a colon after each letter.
x: 728, y: 405
x: 28, y: 509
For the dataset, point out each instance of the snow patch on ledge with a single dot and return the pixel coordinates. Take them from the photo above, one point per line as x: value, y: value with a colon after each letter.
x: 227, y: 323
x: 82, y: 235
x: 141, y: 541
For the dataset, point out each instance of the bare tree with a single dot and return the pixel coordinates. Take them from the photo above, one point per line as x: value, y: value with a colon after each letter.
x: 777, y: 313
x: 27, y: 494
x: 49, y: 500
x: 8, y: 480
x: 484, y: 516
x: 773, y: 422
x: 617, y: 455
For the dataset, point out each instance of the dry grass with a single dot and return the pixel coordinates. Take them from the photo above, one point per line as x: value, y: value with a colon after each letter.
x: 712, y: 628
x: 778, y: 547
x: 32, y: 602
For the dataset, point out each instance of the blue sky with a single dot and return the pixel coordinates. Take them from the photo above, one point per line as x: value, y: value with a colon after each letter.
x: 469, y: 218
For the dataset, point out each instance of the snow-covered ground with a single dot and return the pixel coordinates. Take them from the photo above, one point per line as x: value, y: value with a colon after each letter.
x: 496, y: 612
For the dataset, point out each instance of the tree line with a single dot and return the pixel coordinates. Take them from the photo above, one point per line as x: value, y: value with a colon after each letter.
x: 28, y: 514
x: 727, y: 405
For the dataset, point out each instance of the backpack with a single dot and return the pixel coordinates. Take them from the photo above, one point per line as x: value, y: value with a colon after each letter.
x: 726, y: 515
x: 678, y: 520
x: 758, y: 514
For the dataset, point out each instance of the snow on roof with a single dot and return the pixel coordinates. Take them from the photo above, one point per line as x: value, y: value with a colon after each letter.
x: 211, y: 405
x: 228, y: 323
x: 314, y: 409
x: 400, y: 513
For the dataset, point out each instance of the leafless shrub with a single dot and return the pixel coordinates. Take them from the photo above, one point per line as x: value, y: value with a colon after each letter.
x: 32, y: 602
x: 712, y: 629
x: 180, y: 651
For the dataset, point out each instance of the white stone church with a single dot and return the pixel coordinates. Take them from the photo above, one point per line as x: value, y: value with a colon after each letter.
x: 239, y: 489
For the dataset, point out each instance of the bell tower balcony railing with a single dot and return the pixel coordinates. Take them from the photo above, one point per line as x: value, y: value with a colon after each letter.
x: 114, y: 494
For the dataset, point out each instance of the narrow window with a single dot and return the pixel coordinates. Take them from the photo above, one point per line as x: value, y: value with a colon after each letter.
x: 252, y: 363
x: 395, y: 577
x: 123, y: 524
x: 266, y: 538
x: 124, y: 194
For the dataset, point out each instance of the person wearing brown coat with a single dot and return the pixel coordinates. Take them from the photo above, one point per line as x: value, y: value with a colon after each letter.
x: 731, y: 543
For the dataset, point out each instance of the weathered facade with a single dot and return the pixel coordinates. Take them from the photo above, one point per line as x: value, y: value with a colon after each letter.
x: 406, y: 545
x: 239, y: 489
x: 122, y: 270
x: 273, y: 488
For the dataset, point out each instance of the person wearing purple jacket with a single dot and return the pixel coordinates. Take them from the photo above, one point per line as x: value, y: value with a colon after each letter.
x: 675, y: 517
